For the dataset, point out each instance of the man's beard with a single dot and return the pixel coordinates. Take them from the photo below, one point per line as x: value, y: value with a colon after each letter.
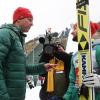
x: 75, y: 39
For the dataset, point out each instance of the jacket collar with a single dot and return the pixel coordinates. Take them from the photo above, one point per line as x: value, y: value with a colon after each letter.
x: 14, y: 28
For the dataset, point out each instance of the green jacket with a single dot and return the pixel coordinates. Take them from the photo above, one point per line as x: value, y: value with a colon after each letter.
x: 72, y: 92
x: 13, y: 68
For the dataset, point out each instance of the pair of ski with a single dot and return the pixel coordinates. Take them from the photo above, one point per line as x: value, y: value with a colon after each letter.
x: 84, y: 44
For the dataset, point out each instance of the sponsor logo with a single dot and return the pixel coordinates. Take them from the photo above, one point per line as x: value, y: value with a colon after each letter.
x: 83, y: 57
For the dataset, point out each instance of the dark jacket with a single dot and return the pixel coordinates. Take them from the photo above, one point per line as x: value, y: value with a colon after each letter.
x: 62, y: 79
x: 13, y: 68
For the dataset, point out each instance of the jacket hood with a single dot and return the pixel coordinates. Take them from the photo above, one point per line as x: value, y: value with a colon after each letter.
x: 14, y: 28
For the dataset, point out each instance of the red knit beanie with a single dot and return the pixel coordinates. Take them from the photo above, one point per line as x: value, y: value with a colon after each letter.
x: 21, y: 13
x: 94, y: 28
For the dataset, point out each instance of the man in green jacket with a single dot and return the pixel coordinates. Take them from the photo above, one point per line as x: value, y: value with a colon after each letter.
x: 13, y: 67
x: 92, y: 80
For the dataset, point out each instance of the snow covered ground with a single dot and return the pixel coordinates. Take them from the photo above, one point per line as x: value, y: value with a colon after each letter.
x: 33, y: 94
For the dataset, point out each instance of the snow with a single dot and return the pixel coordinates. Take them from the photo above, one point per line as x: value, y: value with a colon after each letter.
x: 33, y: 94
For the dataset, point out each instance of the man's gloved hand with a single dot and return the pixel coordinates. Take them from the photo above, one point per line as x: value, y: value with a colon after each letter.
x: 92, y: 80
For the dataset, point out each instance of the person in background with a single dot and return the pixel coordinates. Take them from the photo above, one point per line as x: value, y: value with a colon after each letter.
x: 93, y: 79
x: 56, y: 81
x: 13, y: 67
x: 73, y: 89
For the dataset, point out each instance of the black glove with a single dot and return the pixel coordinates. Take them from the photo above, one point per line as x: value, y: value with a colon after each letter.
x: 84, y: 91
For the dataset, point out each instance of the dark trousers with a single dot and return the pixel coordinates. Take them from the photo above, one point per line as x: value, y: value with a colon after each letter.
x: 60, y: 88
